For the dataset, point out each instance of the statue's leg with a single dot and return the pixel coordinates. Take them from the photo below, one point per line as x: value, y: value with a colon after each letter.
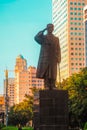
x: 47, y: 83
x: 53, y: 83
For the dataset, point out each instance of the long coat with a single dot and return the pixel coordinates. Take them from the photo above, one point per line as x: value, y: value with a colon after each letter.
x: 50, y: 55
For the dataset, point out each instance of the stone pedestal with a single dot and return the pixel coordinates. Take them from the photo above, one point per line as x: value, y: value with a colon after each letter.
x: 53, y: 110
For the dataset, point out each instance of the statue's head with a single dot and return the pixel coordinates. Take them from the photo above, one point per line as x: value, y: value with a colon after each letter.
x: 50, y: 27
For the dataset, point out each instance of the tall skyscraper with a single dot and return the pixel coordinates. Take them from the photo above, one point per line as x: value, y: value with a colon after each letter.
x: 67, y: 17
x: 85, y: 25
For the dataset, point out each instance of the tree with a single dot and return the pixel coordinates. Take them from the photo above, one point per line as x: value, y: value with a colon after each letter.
x: 22, y: 112
x: 77, y: 89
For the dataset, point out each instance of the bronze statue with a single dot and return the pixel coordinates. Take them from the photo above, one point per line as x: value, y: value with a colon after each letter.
x: 50, y: 56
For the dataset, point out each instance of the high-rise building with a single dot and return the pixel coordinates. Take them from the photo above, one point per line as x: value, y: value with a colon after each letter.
x: 25, y: 79
x: 2, y: 103
x: 10, y: 91
x: 85, y: 28
x: 2, y: 108
x: 67, y: 17
x: 21, y: 79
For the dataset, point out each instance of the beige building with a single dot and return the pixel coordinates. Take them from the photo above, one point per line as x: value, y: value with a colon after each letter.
x: 25, y: 79
x: 22, y: 83
x: 10, y: 91
x: 85, y: 29
x: 2, y: 103
x: 67, y: 17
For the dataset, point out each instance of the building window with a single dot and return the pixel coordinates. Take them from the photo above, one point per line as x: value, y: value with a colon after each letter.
x: 79, y: 3
x: 71, y: 13
x: 75, y: 13
x: 71, y: 8
x: 79, y: 54
x: 72, y: 43
x: 79, y: 8
x: 75, y: 3
x: 72, y: 48
x: 80, y: 64
x: 75, y: 18
x: 71, y: 28
x: 71, y: 18
x: 75, y: 8
x: 72, y: 53
x: 75, y: 28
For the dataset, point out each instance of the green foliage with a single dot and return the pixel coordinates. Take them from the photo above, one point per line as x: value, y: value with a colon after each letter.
x: 22, y: 112
x: 85, y: 126
x: 10, y: 128
x: 1, y: 125
x: 15, y: 128
x: 77, y: 89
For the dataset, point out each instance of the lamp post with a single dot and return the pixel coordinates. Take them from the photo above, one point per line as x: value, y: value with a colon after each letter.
x: 6, y: 95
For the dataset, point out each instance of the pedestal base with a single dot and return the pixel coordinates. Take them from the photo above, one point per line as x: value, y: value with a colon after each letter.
x: 53, y: 110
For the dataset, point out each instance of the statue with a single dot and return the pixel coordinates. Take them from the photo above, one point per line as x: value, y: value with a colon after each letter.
x: 50, y: 56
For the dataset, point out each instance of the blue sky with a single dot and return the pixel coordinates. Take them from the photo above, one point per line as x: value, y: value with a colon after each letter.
x: 20, y: 20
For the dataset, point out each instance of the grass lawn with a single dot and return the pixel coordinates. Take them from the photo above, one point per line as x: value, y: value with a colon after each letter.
x: 15, y: 128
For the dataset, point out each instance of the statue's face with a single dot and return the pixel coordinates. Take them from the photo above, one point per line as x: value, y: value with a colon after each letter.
x: 50, y: 28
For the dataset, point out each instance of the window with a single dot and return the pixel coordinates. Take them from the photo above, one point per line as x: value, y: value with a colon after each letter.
x: 72, y: 53
x: 71, y: 38
x: 75, y: 18
x: 79, y: 13
x: 72, y: 48
x: 71, y: 18
x: 71, y: 43
x: 75, y: 28
x: 75, y: 8
x: 79, y: 3
x: 71, y: 3
x: 71, y: 8
x: 79, y: 48
x: 79, y: 18
x: 75, y: 13
x: 75, y: 3
x: 75, y: 23
x: 79, y: 8
x: 71, y: 13
x: 83, y: 4
x: 71, y: 28
x: 80, y: 63
x: 79, y: 54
